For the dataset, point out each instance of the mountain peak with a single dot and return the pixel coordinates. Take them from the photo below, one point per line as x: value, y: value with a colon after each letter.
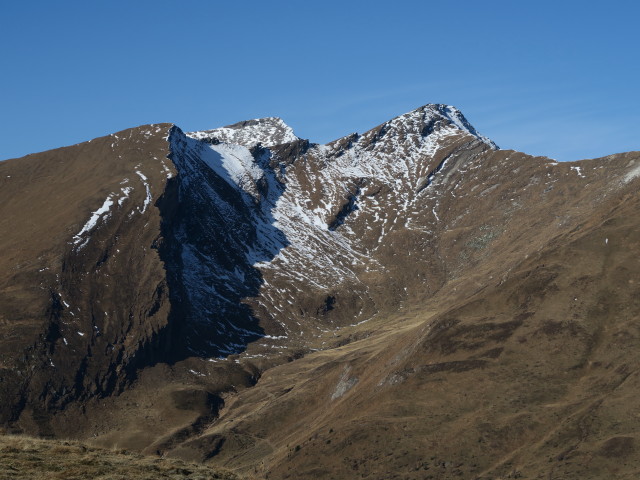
x: 420, y: 130
x: 267, y: 131
x: 450, y: 114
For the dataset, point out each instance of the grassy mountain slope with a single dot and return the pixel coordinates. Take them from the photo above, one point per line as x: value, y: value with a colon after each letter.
x: 30, y: 458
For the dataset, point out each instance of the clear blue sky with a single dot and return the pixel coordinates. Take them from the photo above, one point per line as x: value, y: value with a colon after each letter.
x: 555, y: 78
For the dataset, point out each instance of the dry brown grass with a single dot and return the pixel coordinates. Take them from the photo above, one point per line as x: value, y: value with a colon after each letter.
x: 30, y: 458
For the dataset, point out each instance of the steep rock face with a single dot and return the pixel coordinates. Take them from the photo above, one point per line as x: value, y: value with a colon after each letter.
x: 225, y: 194
x: 83, y: 291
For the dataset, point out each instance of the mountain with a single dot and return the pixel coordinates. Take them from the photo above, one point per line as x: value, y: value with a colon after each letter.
x: 410, y: 302
x: 268, y: 131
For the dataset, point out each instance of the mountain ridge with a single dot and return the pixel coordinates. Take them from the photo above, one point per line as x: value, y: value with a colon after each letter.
x: 273, y: 130
x: 230, y: 303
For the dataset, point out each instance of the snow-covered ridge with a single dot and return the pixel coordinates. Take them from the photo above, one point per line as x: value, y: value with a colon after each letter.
x: 391, y: 153
x: 302, y: 220
x: 266, y: 131
x: 422, y: 122
x: 270, y: 131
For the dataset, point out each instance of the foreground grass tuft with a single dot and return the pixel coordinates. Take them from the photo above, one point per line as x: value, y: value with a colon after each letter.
x: 30, y: 458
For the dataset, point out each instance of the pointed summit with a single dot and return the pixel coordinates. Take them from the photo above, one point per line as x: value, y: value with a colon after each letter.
x: 429, y: 117
x: 267, y: 131
x: 419, y: 131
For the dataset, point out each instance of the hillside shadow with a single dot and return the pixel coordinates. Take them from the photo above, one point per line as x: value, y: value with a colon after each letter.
x: 213, y: 233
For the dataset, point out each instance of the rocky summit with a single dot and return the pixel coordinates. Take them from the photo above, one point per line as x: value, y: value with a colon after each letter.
x: 411, y: 302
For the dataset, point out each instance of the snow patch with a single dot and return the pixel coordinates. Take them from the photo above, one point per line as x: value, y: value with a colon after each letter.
x: 125, y: 195
x: 147, y: 199
x: 345, y: 384
x: 578, y: 171
x: 631, y: 174
x: 93, y: 221
x: 234, y: 163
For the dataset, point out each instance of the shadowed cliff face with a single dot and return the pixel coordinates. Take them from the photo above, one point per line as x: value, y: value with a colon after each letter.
x: 217, y: 224
x: 148, y: 260
x: 410, y: 301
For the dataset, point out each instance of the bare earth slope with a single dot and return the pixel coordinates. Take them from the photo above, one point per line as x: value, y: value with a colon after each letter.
x: 411, y: 302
